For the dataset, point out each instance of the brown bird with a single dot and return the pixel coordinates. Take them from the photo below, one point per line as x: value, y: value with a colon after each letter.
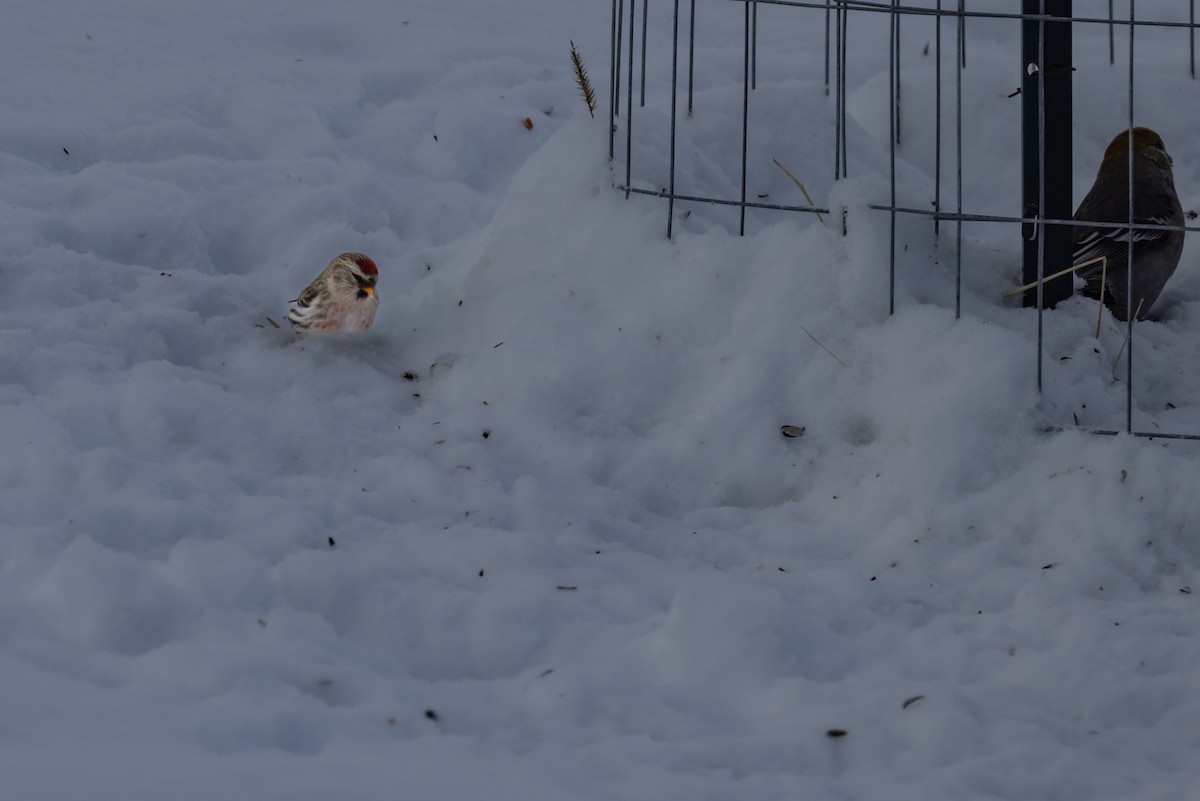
x: 1155, y: 252
x: 341, y: 298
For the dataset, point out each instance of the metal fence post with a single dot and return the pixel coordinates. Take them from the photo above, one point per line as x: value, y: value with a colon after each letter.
x: 1046, y: 146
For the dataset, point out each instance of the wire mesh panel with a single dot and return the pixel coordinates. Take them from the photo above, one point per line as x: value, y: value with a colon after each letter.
x: 734, y: 111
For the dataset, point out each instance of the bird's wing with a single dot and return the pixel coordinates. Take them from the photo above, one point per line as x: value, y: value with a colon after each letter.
x: 1113, y: 243
x: 306, y: 310
x: 307, y: 296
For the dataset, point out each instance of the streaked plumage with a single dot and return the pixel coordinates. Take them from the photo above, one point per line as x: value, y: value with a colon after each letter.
x: 341, y: 298
x: 1155, y: 252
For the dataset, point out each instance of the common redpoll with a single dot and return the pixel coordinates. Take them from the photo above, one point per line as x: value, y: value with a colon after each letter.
x: 1155, y: 252
x: 341, y: 298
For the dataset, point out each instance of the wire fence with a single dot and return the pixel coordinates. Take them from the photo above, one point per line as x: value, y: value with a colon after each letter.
x: 840, y: 19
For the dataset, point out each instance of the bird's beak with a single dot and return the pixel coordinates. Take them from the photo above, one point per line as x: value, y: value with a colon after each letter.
x: 370, y: 290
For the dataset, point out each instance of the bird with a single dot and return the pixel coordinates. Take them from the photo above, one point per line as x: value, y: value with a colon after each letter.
x: 341, y: 298
x: 1156, y: 252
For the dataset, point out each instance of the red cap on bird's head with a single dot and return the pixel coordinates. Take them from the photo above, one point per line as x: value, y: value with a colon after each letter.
x: 366, y: 265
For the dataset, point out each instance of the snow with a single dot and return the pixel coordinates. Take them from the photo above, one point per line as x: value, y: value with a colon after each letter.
x: 536, y: 535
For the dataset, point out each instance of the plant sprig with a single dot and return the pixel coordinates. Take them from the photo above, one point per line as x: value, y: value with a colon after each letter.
x: 581, y: 78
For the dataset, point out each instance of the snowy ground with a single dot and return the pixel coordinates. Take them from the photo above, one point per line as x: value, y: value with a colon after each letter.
x: 537, y: 535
